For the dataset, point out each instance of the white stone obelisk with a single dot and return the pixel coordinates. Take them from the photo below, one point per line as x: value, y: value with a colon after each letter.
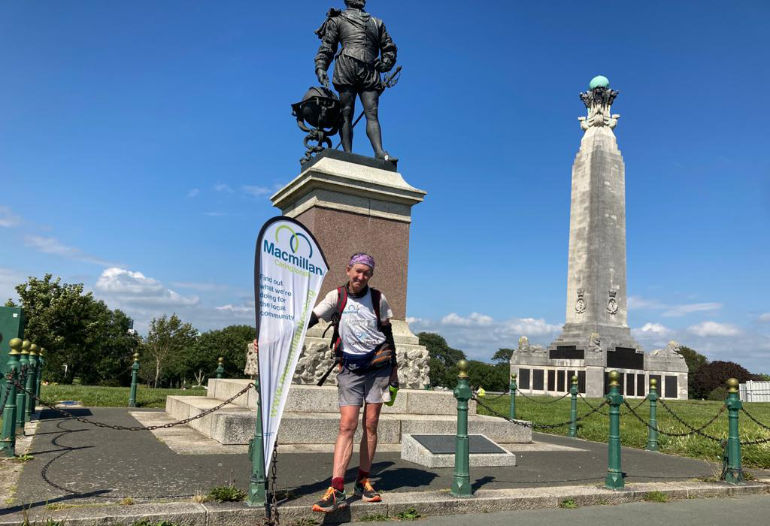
x: 597, y: 304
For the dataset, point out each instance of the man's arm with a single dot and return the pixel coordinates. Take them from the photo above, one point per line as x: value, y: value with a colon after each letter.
x: 388, y: 50
x: 329, y: 41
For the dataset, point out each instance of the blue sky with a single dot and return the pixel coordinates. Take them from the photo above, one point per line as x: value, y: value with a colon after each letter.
x: 140, y: 142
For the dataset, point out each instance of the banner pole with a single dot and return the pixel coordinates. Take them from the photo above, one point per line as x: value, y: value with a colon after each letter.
x: 258, y: 480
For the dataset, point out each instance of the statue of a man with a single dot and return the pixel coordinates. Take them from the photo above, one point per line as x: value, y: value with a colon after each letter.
x: 367, y: 51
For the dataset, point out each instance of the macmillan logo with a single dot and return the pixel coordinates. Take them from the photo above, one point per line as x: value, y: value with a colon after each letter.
x: 301, y: 262
x: 294, y: 240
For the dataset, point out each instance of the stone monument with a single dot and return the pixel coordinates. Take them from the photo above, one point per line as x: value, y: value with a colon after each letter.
x: 596, y: 337
x: 349, y: 202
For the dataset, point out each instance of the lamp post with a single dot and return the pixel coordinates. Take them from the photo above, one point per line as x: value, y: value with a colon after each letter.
x: 461, y: 483
x: 8, y: 437
x: 31, y: 383
x: 614, y: 478
x: 734, y: 472
x: 652, y: 429
x: 134, y: 373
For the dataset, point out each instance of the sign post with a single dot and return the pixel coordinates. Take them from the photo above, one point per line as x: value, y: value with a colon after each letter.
x: 289, y: 269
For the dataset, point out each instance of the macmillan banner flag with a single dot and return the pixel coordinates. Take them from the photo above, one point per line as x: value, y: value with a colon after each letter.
x: 289, y: 269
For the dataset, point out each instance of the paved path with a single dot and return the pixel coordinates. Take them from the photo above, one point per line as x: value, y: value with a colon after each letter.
x: 77, y: 463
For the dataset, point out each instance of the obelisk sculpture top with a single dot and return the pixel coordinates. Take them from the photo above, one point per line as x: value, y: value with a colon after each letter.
x: 598, y: 101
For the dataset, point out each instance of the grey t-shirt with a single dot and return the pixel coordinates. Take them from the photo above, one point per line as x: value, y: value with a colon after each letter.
x: 358, y: 324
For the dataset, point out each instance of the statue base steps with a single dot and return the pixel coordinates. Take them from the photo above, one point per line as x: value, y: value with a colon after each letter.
x: 311, y: 416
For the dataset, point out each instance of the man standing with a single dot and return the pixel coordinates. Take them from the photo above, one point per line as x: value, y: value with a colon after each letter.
x: 367, y: 51
x: 359, y: 382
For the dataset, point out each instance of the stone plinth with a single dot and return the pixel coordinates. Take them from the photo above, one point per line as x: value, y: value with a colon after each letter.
x: 353, y: 203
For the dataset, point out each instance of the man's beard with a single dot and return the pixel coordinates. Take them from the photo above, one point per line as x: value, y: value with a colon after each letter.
x: 357, y: 4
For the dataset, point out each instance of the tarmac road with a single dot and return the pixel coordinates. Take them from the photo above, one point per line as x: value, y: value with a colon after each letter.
x: 697, y: 512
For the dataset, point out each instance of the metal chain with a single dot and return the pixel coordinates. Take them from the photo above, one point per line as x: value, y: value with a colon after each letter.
x: 760, y: 424
x: 698, y: 431
x: 9, y: 379
x: 541, y: 401
x: 755, y: 442
x: 533, y: 425
x: 135, y: 428
x: 655, y: 428
x: 274, y: 517
x: 589, y: 404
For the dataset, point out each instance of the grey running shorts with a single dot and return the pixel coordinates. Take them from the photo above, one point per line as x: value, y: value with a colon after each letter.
x: 370, y: 386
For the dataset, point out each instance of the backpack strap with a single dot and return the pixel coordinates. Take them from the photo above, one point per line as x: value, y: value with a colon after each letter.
x: 376, y: 296
x: 342, y: 300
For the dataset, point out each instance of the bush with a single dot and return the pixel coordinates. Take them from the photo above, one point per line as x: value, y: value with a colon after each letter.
x: 718, y: 394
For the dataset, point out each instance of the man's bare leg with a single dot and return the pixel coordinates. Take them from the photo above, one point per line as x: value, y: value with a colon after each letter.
x: 348, y: 107
x: 343, y: 448
x: 369, y: 436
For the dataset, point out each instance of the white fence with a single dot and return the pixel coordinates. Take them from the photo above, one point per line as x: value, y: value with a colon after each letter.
x: 753, y: 391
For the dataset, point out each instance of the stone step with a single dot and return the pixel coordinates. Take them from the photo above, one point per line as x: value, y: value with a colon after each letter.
x: 314, y: 399
x: 235, y: 424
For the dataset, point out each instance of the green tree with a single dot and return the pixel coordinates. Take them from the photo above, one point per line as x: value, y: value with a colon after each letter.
x: 713, y: 375
x: 443, y: 359
x: 490, y: 377
x: 166, y: 347
x: 83, y: 338
x: 694, y: 361
x: 502, y: 356
x: 229, y: 343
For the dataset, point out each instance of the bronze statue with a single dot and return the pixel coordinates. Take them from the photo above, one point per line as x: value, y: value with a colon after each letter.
x: 367, y: 51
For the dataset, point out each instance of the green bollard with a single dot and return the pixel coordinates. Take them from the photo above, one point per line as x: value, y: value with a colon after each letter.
x: 8, y: 437
x: 461, y: 483
x: 134, y: 373
x: 513, y: 387
x: 39, y: 379
x: 652, y: 429
x: 614, y: 478
x: 733, y: 473
x: 31, y: 382
x: 573, y: 390
x: 221, y: 368
x: 258, y: 480
x: 21, y: 396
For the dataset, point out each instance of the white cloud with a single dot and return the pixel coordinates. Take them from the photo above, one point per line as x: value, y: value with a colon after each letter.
x: 480, y: 335
x: 223, y: 188
x: 134, y: 288
x: 712, y: 328
x: 256, y: 191
x: 682, y: 310
x: 474, y: 319
x: 637, y: 302
x: 656, y: 329
x: 193, y: 192
x: 238, y: 310
x: 203, y: 287
x: 670, y: 311
x: 530, y: 327
x: 7, y: 218
x: 764, y: 317
x: 50, y: 245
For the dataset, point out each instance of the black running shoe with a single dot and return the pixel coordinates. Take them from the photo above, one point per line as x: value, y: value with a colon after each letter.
x: 332, y: 500
x: 364, y: 489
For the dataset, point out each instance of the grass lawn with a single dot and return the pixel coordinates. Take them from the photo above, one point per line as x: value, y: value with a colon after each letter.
x: 634, y: 434
x: 95, y: 396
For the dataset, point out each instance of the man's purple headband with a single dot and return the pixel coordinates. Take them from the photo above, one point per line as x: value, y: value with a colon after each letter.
x: 364, y: 259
